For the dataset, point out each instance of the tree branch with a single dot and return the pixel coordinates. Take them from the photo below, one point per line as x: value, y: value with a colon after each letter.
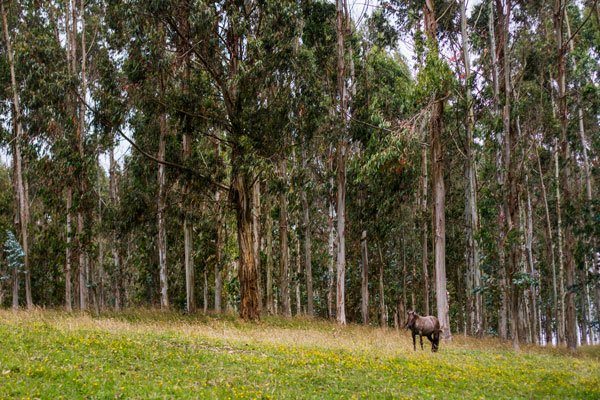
x: 149, y: 156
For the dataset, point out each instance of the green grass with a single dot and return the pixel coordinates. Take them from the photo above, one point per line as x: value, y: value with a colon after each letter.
x: 147, y: 354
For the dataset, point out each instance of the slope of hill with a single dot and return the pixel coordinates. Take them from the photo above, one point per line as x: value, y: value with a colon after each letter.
x: 146, y: 354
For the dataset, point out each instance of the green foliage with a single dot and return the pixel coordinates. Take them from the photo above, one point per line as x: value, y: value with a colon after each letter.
x: 435, y: 79
x: 14, y: 252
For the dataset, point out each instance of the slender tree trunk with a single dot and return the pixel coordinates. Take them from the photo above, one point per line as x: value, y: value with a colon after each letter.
x: 584, y: 147
x: 473, y: 279
x: 404, y: 285
x: 424, y: 220
x: 188, y: 259
x: 531, y: 264
x: 21, y: 195
x: 256, y: 237
x: 298, y: 274
x: 269, y: 254
x: 342, y: 149
x: 307, y: 241
x: 81, y: 133
x: 205, y: 291
x: 162, y: 208
x: 566, y: 177
x: 220, y: 246
x: 365, y: 278
x: 68, y: 250
x: 284, y: 263
x: 382, y: 311
x: 331, y: 260
x: 559, y: 234
x: 502, y: 317
x: 114, y: 200
x: 550, y: 257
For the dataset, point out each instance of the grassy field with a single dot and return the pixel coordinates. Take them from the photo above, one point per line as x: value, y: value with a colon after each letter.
x: 147, y: 354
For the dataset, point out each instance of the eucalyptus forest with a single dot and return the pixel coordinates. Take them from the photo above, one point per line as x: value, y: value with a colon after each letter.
x: 330, y: 160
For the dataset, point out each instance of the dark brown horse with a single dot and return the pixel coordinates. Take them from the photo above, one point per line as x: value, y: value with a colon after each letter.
x: 428, y: 326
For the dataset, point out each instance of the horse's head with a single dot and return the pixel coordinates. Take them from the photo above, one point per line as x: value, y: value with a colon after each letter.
x: 411, y: 317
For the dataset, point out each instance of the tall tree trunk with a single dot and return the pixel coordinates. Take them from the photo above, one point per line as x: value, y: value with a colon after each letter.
x: 297, y: 286
x: 342, y: 149
x: 331, y: 259
x: 566, y: 176
x: 382, y: 313
x: 114, y: 200
x: 68, y: 255
x: 188, y: 250
x: 220, y: 247
x: 502, y: 317
x: 473, y: 279
x: 162, y: 208
x: 424, y: 220
x: 561, y: 257
x: 531, y: 264
x: 256, y: 238
x: 307, y: 241
x: 81, y: 133
x: 284, y: 261
x: 269, y: 267
x: 584, y: 147
x: 510, y: 184
x: 549, y: 242
x: 241, y: 192
x: 20, y: 181
x: 439, y: 190
x: 364, y: 288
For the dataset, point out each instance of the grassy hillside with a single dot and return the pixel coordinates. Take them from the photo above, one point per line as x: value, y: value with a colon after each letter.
x: 49, y: 354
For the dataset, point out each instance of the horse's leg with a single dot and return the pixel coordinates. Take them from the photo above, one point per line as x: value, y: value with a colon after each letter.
x: 430, y: 337
x: 421, y: 337
x: 414, y: 335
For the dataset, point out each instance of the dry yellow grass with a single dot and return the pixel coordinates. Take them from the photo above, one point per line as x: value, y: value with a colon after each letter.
x: 276, y: 357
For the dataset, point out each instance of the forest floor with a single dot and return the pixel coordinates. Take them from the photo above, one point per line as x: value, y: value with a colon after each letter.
x: 150, y: 354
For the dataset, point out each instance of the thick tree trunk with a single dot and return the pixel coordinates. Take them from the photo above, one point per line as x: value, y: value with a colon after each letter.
x: 162, y: 208
x: 364, y: 288
x: 439, y: 190
x: 284, y: 261
x: 248, y: 275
